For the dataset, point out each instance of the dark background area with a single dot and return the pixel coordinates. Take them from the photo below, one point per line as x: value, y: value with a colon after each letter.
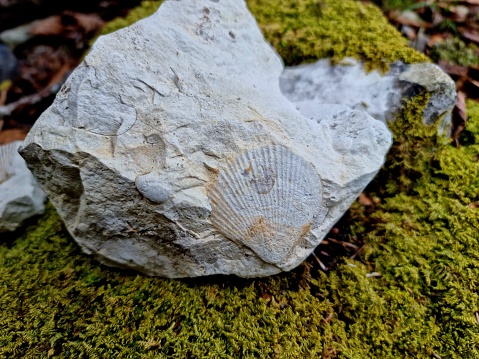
x: 41, y: 42
x: 17, y: 12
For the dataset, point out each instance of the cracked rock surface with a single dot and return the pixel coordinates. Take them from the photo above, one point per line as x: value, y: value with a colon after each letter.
x: 171, y: 150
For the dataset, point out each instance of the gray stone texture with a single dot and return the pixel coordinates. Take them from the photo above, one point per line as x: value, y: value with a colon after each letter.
x: 382, y: 95
x: 20, y: 195
x: 171, y: 150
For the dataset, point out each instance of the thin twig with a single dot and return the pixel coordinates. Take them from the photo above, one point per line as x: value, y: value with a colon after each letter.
x: 323, y: 267
x: 345, y: 244
x: 477, y: 317
x: 329, y: 317
x: 357, y: 252
x: 7, y: 110
x: 53, y: 87
x: 3, y: 96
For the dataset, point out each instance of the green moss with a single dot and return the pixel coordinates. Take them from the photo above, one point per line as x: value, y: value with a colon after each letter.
x: 56, y: 300
x: 304, y: 31
x: 422, y: 239
x: 145, y: 9
x: 425, y: 235
x: 5, y: 84
x: 455, y: 51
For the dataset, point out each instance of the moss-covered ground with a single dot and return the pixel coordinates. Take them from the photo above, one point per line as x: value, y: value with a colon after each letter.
x: 412, y: 292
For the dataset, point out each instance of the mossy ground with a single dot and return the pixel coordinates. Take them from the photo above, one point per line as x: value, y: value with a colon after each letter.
x: 455, y: 51
x: 422, y: 239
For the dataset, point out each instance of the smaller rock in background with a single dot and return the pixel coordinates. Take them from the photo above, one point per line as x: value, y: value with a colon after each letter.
x: 381, y: 95
x: 20, y: 195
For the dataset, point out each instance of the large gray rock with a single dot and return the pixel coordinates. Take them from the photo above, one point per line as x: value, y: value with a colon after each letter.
x: 20, y: 195
x: 171, y: 150
x: 382, y: 95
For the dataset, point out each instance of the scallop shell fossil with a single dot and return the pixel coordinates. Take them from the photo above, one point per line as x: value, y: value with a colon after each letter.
x: 266, y: 199
x: 6, y: 158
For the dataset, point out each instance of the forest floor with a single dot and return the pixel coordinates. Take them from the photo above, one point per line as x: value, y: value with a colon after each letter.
x: 397, y: 277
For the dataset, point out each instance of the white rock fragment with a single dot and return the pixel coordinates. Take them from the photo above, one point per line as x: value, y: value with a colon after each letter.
x: 171, y: 150
x: 381, y: 95
x: 20, y: 195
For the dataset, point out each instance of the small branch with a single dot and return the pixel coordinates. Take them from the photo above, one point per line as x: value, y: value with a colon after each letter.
x: 323, y: 267
x: 7, y: 110
x: 53, y: 87
x: 329, y: 317
x: 357, y: 252
x: 344, y: 244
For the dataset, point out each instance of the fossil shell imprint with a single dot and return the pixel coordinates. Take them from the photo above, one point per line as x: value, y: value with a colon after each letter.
x: 266, y: 199
x: 6, y: 158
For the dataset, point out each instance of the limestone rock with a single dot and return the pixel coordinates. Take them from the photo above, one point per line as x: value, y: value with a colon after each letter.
x: 20, y: 195
x: 171, y: 150
x: 381, y: 95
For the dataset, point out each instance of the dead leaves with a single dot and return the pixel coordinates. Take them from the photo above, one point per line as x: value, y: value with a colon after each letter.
x: 52, y: 48
x: 447, y: 31
x: 8, y: 136
x: 459, y: 117
x: 70, y: 25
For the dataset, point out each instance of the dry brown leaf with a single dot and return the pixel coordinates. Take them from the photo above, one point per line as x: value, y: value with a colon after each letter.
x: 446, y: 3
x: 459, y: 116
x: 51, y: 26
x: 474, y: 82
x: 90, y: 23
x: 409, y: 32
x: 8, y: 136
x: 364, y: 200
x: 267, y: 297
x: 451, y: 69
x: 436, y: 39
x: 459, y: 12
x: 3, y: 96
x: 409, y: 18
x: 68, y: 23
x: 469, y: 34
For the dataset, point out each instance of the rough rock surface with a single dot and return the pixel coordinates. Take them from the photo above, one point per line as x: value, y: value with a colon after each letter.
x: 171, y: 150
x: 20, y: 195
x: 381, y: 95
